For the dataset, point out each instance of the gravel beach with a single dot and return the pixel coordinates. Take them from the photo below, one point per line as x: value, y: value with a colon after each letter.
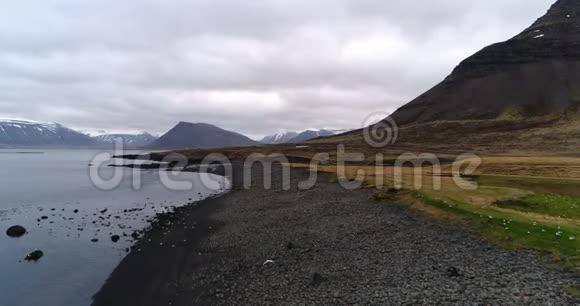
x: 326, y: 245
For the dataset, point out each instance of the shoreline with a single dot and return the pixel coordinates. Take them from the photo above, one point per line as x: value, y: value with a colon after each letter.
x: 140, y: 270
x: 323, y: 245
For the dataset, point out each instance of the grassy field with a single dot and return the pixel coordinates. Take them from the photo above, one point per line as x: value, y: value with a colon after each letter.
x: 551, y: 204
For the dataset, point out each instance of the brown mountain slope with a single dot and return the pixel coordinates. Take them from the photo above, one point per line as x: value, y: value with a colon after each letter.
x: 555, y: 134
x: 519, y: 95
x: 536, y: 73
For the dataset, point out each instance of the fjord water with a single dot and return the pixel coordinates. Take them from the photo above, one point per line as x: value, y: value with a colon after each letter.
x: 56, y: 184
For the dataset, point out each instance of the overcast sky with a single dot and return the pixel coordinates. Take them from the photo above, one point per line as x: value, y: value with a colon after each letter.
x: 254, y: 66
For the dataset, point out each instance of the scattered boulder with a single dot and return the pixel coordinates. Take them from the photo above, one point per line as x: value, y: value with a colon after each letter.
x: 16, y: 231
x: 34, y: 256
x: 453, y: 272
x: 44, y: 217
x: 94, y: 240
x: 115, y: 238
x: 76, y: 211
x: 316, y: 279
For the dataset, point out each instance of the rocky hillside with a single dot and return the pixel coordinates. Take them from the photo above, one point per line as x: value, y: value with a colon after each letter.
x: 28, y: 133
x: 536, y: 73
x: 200, y: 136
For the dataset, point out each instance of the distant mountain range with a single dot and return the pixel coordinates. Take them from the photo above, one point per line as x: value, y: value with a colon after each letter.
x: 279, y: 138
x: 21, y: 133
x: 187, y: 135
x: 295, y: 137
x: 131, y: 141
x: 28, y: 133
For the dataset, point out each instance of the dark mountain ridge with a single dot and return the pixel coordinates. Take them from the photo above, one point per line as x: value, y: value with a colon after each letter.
x: 535, y: 73
x: 187, y: 135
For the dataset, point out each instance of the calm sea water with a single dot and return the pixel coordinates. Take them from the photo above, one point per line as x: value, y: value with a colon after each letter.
x: 56, y: 183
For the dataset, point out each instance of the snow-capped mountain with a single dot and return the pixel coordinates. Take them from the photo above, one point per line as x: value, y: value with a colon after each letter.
x: 293, y: 137
x: 311, y: 134
x: 30, y: 133
x: 279, y: 138
x: 129, y: 140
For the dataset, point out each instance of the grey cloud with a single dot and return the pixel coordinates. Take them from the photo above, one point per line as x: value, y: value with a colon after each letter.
x: 252, y: 66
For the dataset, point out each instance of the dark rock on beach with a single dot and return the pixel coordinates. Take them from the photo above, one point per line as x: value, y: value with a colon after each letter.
x: 453, y: 272
x: 16, y: 231
x: 316, y: 279
x: 34, y: 256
